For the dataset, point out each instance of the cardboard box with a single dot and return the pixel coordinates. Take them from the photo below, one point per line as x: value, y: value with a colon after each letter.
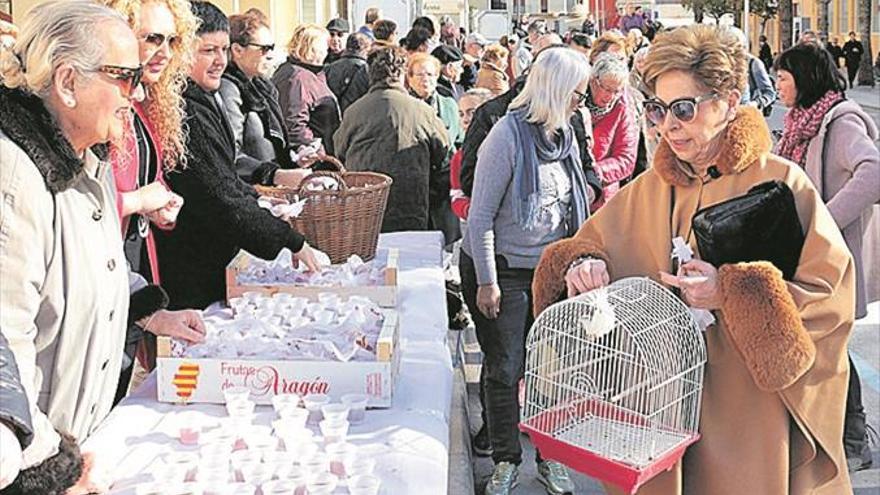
x: 383, y: 295
x: 186, y: 380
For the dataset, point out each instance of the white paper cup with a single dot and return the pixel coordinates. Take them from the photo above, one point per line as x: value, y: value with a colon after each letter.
x: 233, y: 394
x: 359, y: 466
x: 283, y: 401
x: 293, y: 417
x: 364, y: 485
x: 335, y: 413
x: 323, y: 483
x: 340, y: 453
x: 357, y: 404
x: 334, y: 431
x: 313, y: 403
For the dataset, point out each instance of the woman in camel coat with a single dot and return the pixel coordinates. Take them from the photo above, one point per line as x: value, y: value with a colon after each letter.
x: 776, y: 376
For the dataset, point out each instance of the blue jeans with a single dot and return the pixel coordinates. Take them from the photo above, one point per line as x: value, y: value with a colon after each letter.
x: 503, y: 341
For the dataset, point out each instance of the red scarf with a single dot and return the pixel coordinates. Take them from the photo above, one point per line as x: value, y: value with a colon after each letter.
x: 801, y: 125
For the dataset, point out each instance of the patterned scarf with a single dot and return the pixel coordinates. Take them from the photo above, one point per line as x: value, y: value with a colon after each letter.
x: 596, y: 111
x: 801, y: 125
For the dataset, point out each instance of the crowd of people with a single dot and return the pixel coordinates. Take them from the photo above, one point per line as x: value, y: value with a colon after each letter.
x: 134, y: 133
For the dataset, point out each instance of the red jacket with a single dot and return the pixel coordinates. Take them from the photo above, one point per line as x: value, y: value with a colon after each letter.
x: 125, y: 174
x: 461, y: 204
x: 615, y: 145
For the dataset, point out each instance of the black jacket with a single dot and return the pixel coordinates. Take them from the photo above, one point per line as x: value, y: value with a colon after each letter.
x: 220, y: 214
x: 852, y: 52
x: 348, y: 79
x: 489, y: 113
x: 257, y: 124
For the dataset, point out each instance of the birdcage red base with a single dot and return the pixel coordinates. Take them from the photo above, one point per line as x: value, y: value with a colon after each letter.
x: 583, y: 461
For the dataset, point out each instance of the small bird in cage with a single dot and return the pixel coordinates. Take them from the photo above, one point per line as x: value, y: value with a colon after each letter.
x: 602, y: 320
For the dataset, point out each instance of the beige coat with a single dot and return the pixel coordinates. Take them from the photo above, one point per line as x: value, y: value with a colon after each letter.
x: 492, y: 78
x: 847, y: 145
x: 64, y: 291
x: 776, y: 377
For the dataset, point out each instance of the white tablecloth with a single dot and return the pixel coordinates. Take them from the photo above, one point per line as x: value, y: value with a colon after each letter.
x: 410, y: 441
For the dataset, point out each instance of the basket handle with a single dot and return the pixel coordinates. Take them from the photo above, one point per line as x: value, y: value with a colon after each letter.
x: 342, y: 185
x: 332, y: 160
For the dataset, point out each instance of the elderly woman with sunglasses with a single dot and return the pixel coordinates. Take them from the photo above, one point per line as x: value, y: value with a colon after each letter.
x: 615, y: 129
x: 66, y: 85
x: 776, y: 377
x: 262, y: 155
x: 529, y: 191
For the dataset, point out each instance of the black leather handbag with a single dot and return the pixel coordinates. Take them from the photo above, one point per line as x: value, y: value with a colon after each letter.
x: 762, y: 225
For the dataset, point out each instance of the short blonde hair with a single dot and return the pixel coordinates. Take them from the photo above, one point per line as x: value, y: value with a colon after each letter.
x: 714, y: 56
x: 302, y: 43
x: 606, y: 41
x: 420, y: 58
x: 54, y: 33
x: 495, y: 54
x: 553, y: 77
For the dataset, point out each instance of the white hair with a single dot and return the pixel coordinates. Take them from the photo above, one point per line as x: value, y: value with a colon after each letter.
x: 553, y: 77
x: 609, y: 66
x: 53, y: 33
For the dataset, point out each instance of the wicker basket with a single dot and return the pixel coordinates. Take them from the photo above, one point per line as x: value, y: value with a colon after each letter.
x: 343, y: 222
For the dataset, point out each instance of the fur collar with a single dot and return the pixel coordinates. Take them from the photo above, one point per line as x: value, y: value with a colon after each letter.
x: 748, y: 137
x: 31, y: 127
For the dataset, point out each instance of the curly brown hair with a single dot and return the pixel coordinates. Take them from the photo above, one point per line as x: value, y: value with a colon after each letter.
x: 164, y: 100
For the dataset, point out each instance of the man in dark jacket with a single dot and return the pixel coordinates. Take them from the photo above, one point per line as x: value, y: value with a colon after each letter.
x: 450, y: 58
x: 347, y: 77
x: 221, y: 214
x: 488, y: 114
x: 390, y: 132
x: 338, y: 29
x: 852, y: 54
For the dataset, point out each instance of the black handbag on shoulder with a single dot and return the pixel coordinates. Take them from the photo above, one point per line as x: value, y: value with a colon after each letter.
x: 761, y: 225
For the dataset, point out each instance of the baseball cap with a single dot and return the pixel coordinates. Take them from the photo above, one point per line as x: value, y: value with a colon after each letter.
x: 477, y: 38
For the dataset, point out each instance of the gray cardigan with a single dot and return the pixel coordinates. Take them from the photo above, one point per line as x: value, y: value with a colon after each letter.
x: 847, y: 144
x: 492, y: 225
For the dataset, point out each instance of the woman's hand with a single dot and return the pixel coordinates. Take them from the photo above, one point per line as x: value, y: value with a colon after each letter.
x: 149, y: 198
x: 586, y: 276
x: 291, y: 178
x: 84, y: 485
x: 698, y: 282
x: 166, y: 216
x: 489, y: 300
x: 10, y: 456
x: 307, y: 255
x: 186, y: 324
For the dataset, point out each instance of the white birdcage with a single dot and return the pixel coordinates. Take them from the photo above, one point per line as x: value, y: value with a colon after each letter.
x: 613, y: 381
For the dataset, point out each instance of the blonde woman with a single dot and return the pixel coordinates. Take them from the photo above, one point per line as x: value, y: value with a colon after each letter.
x: 493, y: 67
x: 530, y: 191
x: 165, y: 30
x: 310, y: 109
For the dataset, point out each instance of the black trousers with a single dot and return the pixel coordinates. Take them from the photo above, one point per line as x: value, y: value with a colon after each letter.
x: 854, y: 422
x: 851, y: 71
x: 503, y: 341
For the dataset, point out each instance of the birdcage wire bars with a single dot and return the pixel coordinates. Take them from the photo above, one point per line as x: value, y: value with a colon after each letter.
x: 626, y: 394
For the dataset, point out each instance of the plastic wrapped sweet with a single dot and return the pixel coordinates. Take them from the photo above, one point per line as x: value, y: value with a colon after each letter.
x: 289, y: 328
x: 282, y: 208
x: 281, y: 271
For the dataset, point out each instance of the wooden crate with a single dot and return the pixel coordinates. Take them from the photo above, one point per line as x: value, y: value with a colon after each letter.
x: 383, y: 295
x: 187, y: 380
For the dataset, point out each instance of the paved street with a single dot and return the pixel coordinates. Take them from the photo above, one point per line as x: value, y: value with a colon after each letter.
x: 864, y: 347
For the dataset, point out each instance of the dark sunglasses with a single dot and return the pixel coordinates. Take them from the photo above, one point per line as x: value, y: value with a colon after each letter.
x: 130, y: 76
x: 581, y: 97
x: 159, y: 39
x: 263, y: 48
x: 683, y: 109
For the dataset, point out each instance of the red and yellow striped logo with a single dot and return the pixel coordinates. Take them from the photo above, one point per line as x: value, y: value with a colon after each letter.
x: 185, y: 379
